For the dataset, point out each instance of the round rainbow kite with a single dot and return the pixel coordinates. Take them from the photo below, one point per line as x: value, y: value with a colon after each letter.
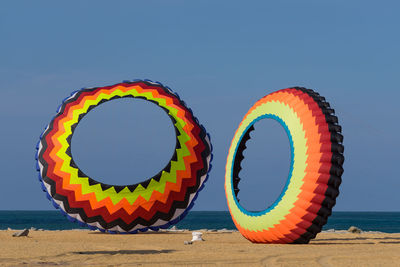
x: 315, y: 172
x: 155, y: 203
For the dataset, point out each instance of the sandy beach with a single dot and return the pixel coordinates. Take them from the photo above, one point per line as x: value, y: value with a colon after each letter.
x: 86, y: 248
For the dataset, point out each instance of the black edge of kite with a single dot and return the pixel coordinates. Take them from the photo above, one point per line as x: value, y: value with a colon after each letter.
x: 336, y: 170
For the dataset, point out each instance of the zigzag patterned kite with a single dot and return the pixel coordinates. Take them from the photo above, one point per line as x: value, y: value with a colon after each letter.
x: 156, y: 203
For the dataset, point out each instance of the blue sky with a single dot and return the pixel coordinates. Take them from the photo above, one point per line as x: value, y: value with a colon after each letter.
x: 221, y: 56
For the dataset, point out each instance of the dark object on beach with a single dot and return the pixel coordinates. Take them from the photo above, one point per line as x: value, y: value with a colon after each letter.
x: 24, y: 232
x: 187, y: 242
x: 354, y: 230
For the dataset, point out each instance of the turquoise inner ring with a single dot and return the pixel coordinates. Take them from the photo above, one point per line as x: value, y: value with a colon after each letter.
x: 283, y: 124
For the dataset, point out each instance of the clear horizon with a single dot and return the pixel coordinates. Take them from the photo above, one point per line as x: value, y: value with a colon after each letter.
x: 226, y: 210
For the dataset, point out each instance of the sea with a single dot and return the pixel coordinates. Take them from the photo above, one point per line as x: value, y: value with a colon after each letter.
x: 387, y: 222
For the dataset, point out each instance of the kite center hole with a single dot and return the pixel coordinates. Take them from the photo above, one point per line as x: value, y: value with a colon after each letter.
x: 123, y: 141
x: 265, y: 166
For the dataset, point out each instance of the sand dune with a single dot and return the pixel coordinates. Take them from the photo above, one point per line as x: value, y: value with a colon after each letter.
x: 85, y: 248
